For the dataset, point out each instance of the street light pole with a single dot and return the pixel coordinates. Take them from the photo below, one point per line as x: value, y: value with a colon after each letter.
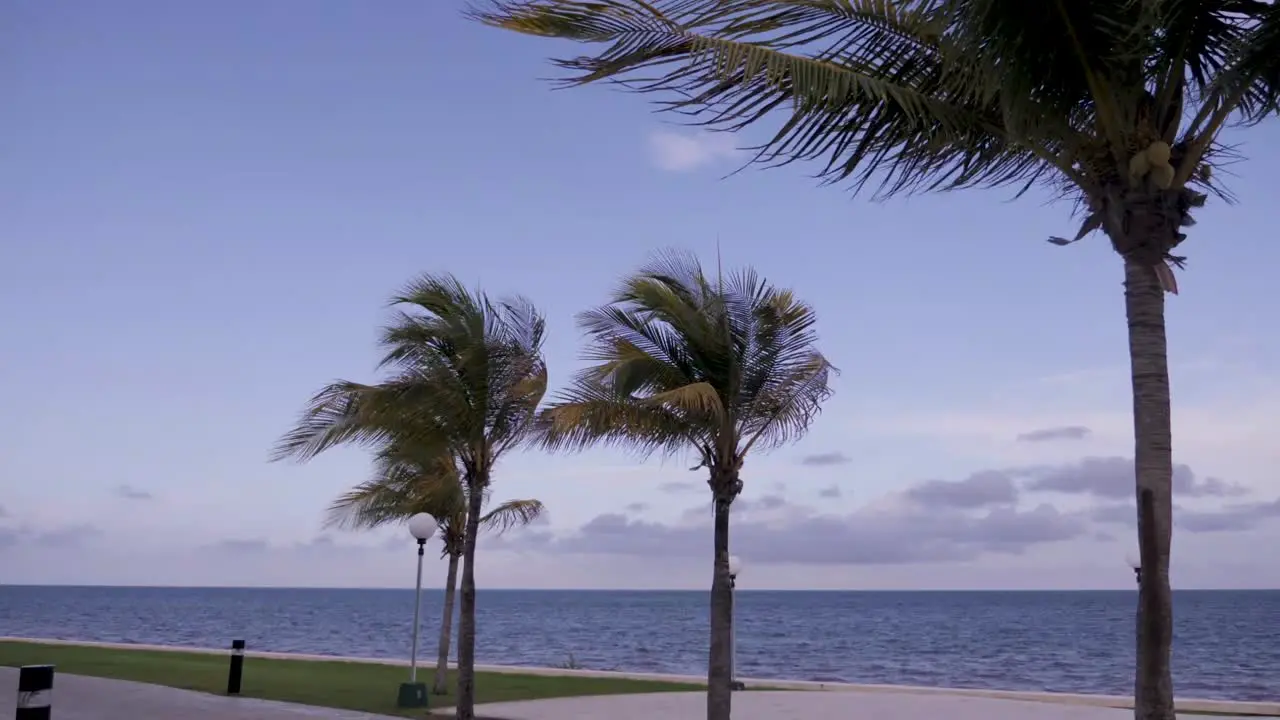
x: 413, y: 694
x: 735, y: 567
x: 417, y: 612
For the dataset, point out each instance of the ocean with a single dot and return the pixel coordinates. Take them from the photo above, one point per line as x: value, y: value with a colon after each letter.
x: 1227, y: 643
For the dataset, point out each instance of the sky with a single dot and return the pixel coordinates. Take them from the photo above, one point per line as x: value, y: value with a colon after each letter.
x: 204, y: 208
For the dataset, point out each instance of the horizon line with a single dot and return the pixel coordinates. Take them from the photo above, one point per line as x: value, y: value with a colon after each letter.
x: 628, y: 590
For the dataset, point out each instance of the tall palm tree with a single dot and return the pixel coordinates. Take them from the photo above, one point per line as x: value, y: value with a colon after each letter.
x: 1115, y: 105
x: 465, y: 377
x: 404, y: 485
x: 683, y: 362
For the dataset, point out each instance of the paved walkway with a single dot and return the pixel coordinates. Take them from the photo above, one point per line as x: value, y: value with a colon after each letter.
x: 76, y: 697
x: 801, y: 705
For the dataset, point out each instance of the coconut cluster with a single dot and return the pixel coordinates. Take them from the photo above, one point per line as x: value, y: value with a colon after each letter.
x: 1152, y: 162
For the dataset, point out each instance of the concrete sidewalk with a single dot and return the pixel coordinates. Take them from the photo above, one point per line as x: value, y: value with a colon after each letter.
x: 800, y: 705
x: 76, y: 697
x: 1221, y: 708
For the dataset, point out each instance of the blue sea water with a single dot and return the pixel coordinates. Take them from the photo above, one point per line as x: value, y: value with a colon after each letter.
x: 1227, y: 643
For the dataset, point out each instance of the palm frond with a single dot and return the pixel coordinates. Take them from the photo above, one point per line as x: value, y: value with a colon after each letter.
x: 863, y: 85
x: 1248, y: 82
x: 407, y: 479
x: 512, y: 514
x: 373, y: 504
x: 588, y: 413
x: 787, y: 405
x: 695, y: 400
x: 1196, y: 43
x: 937, y: 94
x: 468, y: 367
x: 687, y: 361
x: 341, y: 413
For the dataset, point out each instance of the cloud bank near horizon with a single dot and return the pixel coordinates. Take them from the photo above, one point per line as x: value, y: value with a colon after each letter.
x: 1013, y: 513
x: 997, y: 511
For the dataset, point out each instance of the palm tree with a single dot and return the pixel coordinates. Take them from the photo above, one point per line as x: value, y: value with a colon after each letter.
x: 1115, y: 105
x: 685, y: 363
x: 403, y: 485
x: 466, y: 375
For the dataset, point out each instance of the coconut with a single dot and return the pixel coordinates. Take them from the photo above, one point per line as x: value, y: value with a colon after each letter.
x: 1158, y: 153
x: 1162, y: 176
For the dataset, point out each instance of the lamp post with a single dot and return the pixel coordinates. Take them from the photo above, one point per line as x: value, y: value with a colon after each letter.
x: 735, y: 567
x: 1136, y: 567
x: 413, y: 694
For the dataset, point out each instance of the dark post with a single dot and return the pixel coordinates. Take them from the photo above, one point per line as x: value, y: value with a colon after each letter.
x: 35, y: 692
x: 734, y: 683
x: 237, y: 667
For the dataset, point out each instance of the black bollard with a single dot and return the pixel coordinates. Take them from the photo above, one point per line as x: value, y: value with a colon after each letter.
x: 237, y: 667
x: 35, y: 692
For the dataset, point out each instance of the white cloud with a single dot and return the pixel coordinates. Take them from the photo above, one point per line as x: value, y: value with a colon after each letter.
x: 1221, y: 421
x: 682, y: 152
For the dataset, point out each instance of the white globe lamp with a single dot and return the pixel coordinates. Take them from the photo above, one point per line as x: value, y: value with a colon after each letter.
x: 422, y: 526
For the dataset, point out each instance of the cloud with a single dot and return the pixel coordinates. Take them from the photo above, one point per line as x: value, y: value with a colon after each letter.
x: 71, y: 536
x: 826, y: 458
x: 637, y: 507
x: 911, y: 535
x: 254, y: 546
x: 59, y: 537
x: 933, y: 521
x: 1066, y: 432
x: 3, y: 513
x: 981, y: 489
x: 321, y: 544
x: 521, y: 540
x: 1118, y: 514
x: 679, y: 487
x: 684, y: 151
x: 984, y: 514
x: 1112, y: 477
x: 764, y: 502
x: 129, y: 492
x: 1233, y: 517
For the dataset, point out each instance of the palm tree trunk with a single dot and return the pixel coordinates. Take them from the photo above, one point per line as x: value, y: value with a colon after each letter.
x: 440, y: 686
x: 1153, y: 464
x: 466, y: 707
x: 719, y: 692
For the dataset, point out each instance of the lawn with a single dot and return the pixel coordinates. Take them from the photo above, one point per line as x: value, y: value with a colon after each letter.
x: 349, y: 685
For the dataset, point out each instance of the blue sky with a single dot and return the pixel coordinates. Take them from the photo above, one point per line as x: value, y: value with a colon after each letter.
x: 203, y: 208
